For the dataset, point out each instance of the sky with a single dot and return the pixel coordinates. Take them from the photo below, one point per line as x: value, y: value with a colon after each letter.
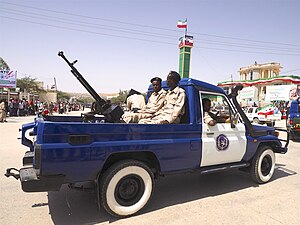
x: 122, y: 44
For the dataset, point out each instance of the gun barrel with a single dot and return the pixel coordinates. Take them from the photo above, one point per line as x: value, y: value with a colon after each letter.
x: 82, y: 80
x: 112, y: 113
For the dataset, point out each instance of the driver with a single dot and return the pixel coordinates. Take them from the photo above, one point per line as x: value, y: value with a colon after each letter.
x: 210, y: 118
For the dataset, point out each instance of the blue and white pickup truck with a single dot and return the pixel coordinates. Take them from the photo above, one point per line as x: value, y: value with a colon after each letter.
x: 122, y: 161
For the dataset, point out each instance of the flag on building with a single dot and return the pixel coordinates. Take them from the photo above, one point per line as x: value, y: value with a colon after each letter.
x: 182, y: 24
x: 180, y: 42
x: 189, y: 40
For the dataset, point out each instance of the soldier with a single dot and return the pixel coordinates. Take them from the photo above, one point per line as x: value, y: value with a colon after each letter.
x: 135, y: 100
x: 155, y: 102
x: 211, y: 119
x: 173, y: 107
x: 2, y: 111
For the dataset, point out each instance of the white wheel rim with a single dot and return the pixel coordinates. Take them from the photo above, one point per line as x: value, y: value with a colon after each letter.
x: 110, y: 194
x: 267, y: 177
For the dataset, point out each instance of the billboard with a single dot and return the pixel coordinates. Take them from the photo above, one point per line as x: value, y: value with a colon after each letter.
x: 247, y: 93
x: 8, y: 79
x: 278, y: 92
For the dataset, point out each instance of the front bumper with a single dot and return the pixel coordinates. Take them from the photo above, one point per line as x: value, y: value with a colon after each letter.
x: 32, y: 182
x: 284, y: 148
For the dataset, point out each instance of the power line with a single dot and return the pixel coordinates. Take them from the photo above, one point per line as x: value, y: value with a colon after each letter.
x: 85, y: 31
x: 231, y: 50
x: 81, y: 23
x: 90, y: 17
x: 138, y: 32
x: 248, y: 45
x: 243, y: 39
x: 143, y: 25
x: 288, y: 71
x: 140, y: 39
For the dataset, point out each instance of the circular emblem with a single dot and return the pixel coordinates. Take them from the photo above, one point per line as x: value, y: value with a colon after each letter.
x: 222, y: 142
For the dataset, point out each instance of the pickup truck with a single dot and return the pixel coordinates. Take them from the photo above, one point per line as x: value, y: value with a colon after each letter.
x: 293, y: 120
x: 123, y: 161
x: 256, y: 116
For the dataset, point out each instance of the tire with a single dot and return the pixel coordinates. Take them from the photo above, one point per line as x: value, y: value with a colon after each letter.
x: 263, y: 165
x: 126, y: 188
x: 256, y: 120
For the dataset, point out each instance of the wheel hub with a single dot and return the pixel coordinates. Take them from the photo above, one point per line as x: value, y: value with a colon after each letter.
x: 266, y: 165
x: 129, y: 190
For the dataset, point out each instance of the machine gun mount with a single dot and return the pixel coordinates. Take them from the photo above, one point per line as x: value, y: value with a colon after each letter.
x: 112, y: 113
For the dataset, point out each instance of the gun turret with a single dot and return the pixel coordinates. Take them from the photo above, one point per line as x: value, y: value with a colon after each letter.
x: 111, y: 112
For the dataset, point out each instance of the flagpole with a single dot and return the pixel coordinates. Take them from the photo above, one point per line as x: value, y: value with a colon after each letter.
x: 186, y: 27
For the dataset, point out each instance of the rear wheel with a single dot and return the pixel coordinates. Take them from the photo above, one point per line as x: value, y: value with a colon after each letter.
x: 126, y: 188
x: 263, y: 165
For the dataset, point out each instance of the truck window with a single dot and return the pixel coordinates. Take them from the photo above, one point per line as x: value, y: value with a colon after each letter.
x: 219, y: 106
x: 250, y: 110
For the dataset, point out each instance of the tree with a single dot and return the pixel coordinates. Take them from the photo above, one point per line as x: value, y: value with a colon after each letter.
x: 85, y: 100
x: 3, y: 65
x: 120, y: 99
x: 29, y: 84
x: 63, y: 96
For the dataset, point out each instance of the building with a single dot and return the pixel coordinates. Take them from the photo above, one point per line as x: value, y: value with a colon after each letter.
x: 262, y: 84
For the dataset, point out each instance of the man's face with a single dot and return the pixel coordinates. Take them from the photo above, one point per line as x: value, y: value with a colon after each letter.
x: 170, y: 82
x: 156, y: 86
x: 206, y: 106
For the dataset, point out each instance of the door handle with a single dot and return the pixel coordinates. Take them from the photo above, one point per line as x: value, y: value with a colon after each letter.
x: 210, y: 133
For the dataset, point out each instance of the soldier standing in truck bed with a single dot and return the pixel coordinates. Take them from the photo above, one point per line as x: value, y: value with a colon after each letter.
x: 173, y: 107
x: 155, y: 102
x: 135, y: 100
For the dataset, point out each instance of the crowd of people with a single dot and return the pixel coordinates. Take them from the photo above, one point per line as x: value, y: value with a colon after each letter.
x: 163, y: 107
x: 23, y: 107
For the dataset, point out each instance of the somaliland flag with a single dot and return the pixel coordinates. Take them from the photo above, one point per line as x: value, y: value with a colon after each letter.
x: 182, y: 24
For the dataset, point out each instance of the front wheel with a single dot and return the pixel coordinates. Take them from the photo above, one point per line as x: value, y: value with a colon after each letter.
x: 126, y: 188
x: 263, y: 165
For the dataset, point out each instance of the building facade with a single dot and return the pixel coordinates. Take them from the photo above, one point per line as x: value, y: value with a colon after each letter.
x: 261, y: 84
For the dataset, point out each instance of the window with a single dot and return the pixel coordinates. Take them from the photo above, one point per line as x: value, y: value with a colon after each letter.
x: 219, y: 107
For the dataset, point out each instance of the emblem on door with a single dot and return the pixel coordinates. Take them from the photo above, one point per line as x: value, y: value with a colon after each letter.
x: 222, y: 142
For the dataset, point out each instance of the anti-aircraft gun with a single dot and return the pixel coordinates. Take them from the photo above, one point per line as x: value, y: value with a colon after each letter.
x: 112, y: 113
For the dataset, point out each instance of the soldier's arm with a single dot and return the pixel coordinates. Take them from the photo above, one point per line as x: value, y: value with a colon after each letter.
x: 178, y: 107
x: 158, y: 105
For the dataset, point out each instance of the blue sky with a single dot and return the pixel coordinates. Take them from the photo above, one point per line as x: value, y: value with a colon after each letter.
x: 123, y: 44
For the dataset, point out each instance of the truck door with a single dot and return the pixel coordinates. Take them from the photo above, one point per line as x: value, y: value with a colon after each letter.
x: 221, y: 143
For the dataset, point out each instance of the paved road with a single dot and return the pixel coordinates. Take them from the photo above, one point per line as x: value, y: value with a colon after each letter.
x: 222, y: 198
